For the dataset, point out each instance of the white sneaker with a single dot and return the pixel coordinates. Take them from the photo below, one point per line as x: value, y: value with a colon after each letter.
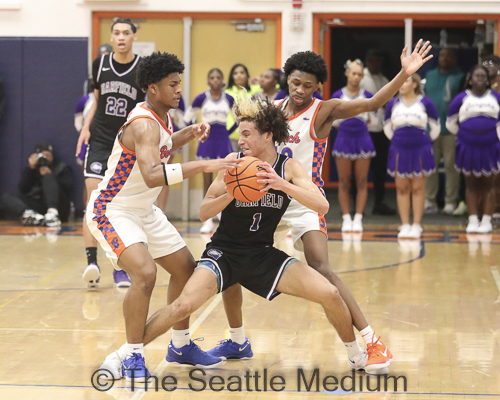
x: 448, y: 209
x: 484, y: 227
x: 208, y: 226
x: 404, y: 230
x: 346, y: 225
x: 111, y: 368
x: 31, y: 218
x: 357, y: 226
x: 92, y: 275
x: 358, y: 362
x: 430, y: 207
x: 461, y: 209
x: 52, y: 218
x: 415, y: 231
x: 472, y: 227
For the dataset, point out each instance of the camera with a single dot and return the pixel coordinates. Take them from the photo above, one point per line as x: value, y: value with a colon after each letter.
x: 42, y: 161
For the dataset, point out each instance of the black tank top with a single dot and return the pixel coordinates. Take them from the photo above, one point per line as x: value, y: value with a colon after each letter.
x: 245, y: 225
x: 118, y: 95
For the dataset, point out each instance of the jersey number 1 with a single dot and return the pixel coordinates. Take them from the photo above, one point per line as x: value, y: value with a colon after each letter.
x: 256, y: 220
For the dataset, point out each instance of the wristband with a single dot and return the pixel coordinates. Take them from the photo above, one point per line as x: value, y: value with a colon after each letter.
x: 173, y: 174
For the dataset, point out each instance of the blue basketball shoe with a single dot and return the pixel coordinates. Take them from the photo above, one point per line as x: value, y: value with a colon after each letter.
x: 134, y: 367
x: 229, y: 350
x: 192, y: 355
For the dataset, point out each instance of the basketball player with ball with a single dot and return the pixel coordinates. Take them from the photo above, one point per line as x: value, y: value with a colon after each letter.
x: 241, y: 250
x: 310, y: 121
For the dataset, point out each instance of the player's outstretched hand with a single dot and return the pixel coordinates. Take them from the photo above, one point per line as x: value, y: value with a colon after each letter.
x: 415, y: 60
x: 201, y: 131
x: 220, y: 164
x: 83, y: 138
x: 270, y: 178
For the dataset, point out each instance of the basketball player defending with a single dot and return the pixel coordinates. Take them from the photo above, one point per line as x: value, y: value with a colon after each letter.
x: 116, y: 93
x: 241, y: 250
x: 134, y: 233
x: 310, y: 121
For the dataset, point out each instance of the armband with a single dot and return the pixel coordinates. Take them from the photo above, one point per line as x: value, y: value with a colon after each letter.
x: 173, y: 174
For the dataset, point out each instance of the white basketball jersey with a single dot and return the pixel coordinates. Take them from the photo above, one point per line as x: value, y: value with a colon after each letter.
x: 123, y: 186
x: 303, y: 145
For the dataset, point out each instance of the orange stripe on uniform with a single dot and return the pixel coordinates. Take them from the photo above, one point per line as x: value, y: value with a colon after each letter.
x: 322, y: 224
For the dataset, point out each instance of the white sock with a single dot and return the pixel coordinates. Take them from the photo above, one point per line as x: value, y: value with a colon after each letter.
x: 346, y: 217
x: 368, y: 335
x: 473, y: 219
x: 486, y: 219
x: 353, y: 349
x: 358, y: 217
x: 237, y: 335
x: 180, y: 338
x: 135, y: 348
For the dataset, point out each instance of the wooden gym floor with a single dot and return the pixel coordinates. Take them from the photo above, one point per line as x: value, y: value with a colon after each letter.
x: 435, y: 303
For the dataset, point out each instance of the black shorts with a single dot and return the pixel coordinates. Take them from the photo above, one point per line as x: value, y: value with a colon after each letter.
x: 257, y: 269
x: 96, y: 159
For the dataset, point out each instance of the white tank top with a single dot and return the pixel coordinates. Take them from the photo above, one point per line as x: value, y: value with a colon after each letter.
x: 123, y: 186
x: 303, y: 145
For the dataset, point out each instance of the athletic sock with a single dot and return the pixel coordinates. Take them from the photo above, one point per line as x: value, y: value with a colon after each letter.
x: 368, y: 335
x: 237, y: 335
x: 474, y: 219
x: 486, y: 219
x: 123, y: 351
x: 135, y: 348
x: 346, y: 217
x: 353, y: 349
x: 358, y: 217
x: 91, y: 255
x: 180, y: 338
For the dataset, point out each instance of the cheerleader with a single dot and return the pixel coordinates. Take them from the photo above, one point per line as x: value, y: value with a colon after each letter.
x: 353, y: 146
x: 215, y: 106
x: 474, y: 116
x: 269, y: 83
x: 411, y: 157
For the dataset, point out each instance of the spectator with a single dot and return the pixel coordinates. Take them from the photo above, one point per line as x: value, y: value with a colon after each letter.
x: 373, y: 80
x: 442, y: 85
x: 46, y: 187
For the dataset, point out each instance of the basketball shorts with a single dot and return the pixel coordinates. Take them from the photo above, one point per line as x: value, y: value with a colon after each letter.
x: 96, y: 159
x: 118, y: 229
x: 257, y: 269
x: 300, y: 220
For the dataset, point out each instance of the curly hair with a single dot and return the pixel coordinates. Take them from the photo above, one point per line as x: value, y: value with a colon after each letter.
x: 157, y: 66
x: 309, y: 62
x: 265, y: 116
x: 468, y: 78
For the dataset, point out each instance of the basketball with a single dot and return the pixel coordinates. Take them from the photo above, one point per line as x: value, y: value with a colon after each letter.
x: 242, y: 183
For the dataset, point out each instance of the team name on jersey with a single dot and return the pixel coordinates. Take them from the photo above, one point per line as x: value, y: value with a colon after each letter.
x: 269, y: 200
x: 294, y: 139
x: 165, y: 152
x: 119, y: 87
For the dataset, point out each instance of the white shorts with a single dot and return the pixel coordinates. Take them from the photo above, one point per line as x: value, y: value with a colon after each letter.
x: 118, y: 229
x: 300, y: 220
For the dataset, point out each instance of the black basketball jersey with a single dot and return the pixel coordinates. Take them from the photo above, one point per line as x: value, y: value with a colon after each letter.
x: 253, y: 224
x: 118, y: 95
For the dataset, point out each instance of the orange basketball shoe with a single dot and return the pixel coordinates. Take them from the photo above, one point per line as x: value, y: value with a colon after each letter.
x: 379, y: 358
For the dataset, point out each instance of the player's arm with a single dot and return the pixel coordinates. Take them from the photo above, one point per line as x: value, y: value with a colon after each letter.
x: 297, y: 185
x: 85, y: 132
x: 143, y: 136
x: 217, y: 198
x: 185, y: 135
x: 339, y: 109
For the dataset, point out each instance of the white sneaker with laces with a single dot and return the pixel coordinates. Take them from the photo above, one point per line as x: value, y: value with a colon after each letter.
x: 484, y: 227
x: 52, y: 218
x: 208, y: 226
x: 346, y: 224
x: 415, y: 231
x: 111, y: 368
x: 472, y: 227
x: 404, y: 230
x: 357, y: 226
x: 448, y: 209
x: 461, y: 209
x: 358, y: 362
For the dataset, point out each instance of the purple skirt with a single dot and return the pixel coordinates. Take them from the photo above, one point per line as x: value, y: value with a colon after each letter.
x: 477, y: 154
x: 353, y: 146
x: 215, y: 147
x: 410, y: 155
